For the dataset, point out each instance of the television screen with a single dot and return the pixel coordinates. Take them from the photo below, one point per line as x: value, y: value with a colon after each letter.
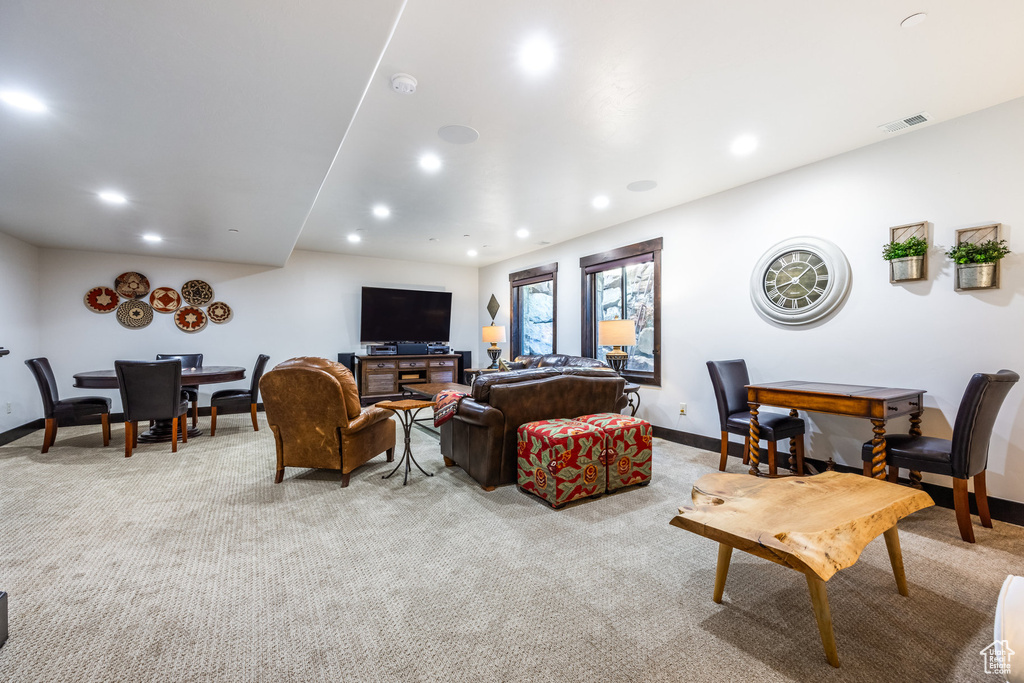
x: 404, y: 315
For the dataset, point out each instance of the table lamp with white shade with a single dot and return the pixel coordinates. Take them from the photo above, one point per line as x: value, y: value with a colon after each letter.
x: 494, y: 333
x: 616, y: 333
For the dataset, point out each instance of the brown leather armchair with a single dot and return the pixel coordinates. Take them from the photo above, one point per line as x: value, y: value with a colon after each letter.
x: 312, y: 406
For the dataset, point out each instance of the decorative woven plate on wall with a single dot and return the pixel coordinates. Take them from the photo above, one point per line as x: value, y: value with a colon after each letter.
x: 134, y: 314
x: 190, y: 319
x: 197, y: 292
x: 165, y: 300
x: 219, y: 312
x: 101, y: 299
x: 132, y: 285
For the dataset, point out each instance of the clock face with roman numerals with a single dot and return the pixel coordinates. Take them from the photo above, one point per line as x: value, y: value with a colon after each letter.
x: 796, y: 280
x: 800, y: 280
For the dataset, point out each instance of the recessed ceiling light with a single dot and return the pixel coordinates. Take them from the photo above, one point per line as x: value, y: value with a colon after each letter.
x: 641, y: 185
x: 22, y: 100
x: 458, y: 135
x: 113, y: 197
x: 354, y: 238
x: 381, y: 211
x: 744, y: 144
x: 522, y: 233
x: 150, y: 237
x: 914, y: 20
x: 537, y: 55
x: 430, y: 162
x: 471, y: 252
x: 601, y: 202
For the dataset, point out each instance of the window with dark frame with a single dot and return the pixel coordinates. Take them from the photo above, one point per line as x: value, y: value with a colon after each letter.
x: 534, y: 313
x: 625, y: 283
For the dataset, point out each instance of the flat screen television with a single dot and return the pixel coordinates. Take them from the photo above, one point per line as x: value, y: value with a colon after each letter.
x: 404, y: 315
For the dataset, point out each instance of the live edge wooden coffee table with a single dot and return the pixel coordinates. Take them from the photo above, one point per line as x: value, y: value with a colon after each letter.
x: 815, y: 525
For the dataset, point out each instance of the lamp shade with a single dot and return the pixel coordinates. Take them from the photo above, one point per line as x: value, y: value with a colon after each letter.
x: 494, y: 333
x: 616, y: 333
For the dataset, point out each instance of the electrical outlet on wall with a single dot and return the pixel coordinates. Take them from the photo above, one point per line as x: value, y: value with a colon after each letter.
x: 682, y: 409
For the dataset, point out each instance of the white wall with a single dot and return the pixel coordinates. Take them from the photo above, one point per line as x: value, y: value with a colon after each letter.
x: 19, y: 322
x: 308, y: 308
x: 962, y: 173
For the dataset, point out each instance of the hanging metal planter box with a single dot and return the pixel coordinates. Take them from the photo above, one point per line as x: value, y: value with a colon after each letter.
x: 908, y: 268
x: 975, y: 275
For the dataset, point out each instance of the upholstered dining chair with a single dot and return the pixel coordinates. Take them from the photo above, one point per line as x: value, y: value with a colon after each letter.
x: 729, y: 379
x: 57, y: 410
x: 962, y: 457
x: 188, y: 360
x: 239, y: 400
x: 151, y: 390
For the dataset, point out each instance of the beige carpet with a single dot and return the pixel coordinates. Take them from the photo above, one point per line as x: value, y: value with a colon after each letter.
x: 195, y: 567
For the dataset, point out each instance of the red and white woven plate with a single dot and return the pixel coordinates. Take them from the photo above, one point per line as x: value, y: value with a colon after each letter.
x: 101, y: 299
x: 190, y: 319
x: 164, y: 300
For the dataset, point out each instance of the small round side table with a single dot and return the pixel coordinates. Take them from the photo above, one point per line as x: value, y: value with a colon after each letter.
x: 406, y: 410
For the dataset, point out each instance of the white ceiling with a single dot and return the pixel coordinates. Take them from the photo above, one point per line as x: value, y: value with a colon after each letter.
x: 250, y: 114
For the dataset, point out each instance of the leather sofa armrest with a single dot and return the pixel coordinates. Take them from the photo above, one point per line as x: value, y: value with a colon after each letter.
x: 368, y: 416
x: 480, y: 414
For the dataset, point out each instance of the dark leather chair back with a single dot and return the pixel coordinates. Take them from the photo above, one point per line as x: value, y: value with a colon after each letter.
x: 257, y: 373
x: 972, y: 429
x: 188, y: 360
x: 150, y: 389
x: 43, y: 373
x: 729, y: 379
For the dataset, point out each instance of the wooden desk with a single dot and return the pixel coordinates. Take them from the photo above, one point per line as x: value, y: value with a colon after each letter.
x: 877, y: 404
x: 816, y: 525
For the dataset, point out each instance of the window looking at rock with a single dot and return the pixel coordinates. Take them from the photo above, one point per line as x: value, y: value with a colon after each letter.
x: 533, y: 310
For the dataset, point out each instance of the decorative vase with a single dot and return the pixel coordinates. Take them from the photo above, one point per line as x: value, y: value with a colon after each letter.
x: 907, y: 268
x: 976, y: 275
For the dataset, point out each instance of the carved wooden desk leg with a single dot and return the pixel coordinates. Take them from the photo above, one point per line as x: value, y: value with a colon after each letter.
x: 876, y: 468
x: 755, y: 430
x: 722, y: 571
x: 892, y: 544
x: 819, y: 601
x: 792, y: 445
x: 915, y: 430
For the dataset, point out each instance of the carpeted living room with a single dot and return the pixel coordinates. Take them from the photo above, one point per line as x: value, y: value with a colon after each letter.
x: 710, y: 315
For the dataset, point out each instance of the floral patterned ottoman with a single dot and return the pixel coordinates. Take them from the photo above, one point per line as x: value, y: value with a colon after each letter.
x: 627, y: 450
x: 560, y: 460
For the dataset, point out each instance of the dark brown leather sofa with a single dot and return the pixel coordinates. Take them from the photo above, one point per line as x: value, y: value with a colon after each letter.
x: 481, y: 437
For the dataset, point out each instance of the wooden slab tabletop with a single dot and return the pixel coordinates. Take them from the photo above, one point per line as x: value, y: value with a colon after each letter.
x: 405, y: 404
x: 433, y: 389
x: 816, y: 524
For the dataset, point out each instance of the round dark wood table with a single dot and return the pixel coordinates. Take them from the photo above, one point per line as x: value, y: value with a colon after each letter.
x: 161, y: 429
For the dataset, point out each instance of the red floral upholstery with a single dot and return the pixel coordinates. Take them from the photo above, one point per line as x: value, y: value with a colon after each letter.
x: 627, y: 449
x: 560, y: 460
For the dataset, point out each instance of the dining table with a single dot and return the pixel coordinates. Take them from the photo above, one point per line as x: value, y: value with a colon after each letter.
x: 878, y: 404
x: 161, y: 430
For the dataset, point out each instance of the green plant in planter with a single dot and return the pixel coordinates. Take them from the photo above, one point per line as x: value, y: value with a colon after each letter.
x: 989, y: 251
x: 913, y: 246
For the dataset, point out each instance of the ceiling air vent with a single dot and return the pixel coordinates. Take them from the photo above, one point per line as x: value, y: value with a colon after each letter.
x: 903, y: 124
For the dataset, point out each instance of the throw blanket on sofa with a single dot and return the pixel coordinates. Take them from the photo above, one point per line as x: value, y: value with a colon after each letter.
x: 445, y: 405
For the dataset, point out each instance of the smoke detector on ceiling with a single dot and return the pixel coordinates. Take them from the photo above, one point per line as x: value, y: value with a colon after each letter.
x: 403, y: 84
x: 903, y: 124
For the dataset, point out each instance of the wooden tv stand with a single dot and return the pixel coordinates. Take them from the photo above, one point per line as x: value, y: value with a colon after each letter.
x: 380, y: 377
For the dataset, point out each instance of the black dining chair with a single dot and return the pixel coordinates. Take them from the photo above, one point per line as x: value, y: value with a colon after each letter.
x: 239, y: 400
x: 729, y: 379
x: 962, y: 457
x: 151, y: 390
x: 188, y: 360
x: 67, y: 410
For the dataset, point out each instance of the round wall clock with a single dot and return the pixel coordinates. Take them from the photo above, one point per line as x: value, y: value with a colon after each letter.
x: 800, y: 280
